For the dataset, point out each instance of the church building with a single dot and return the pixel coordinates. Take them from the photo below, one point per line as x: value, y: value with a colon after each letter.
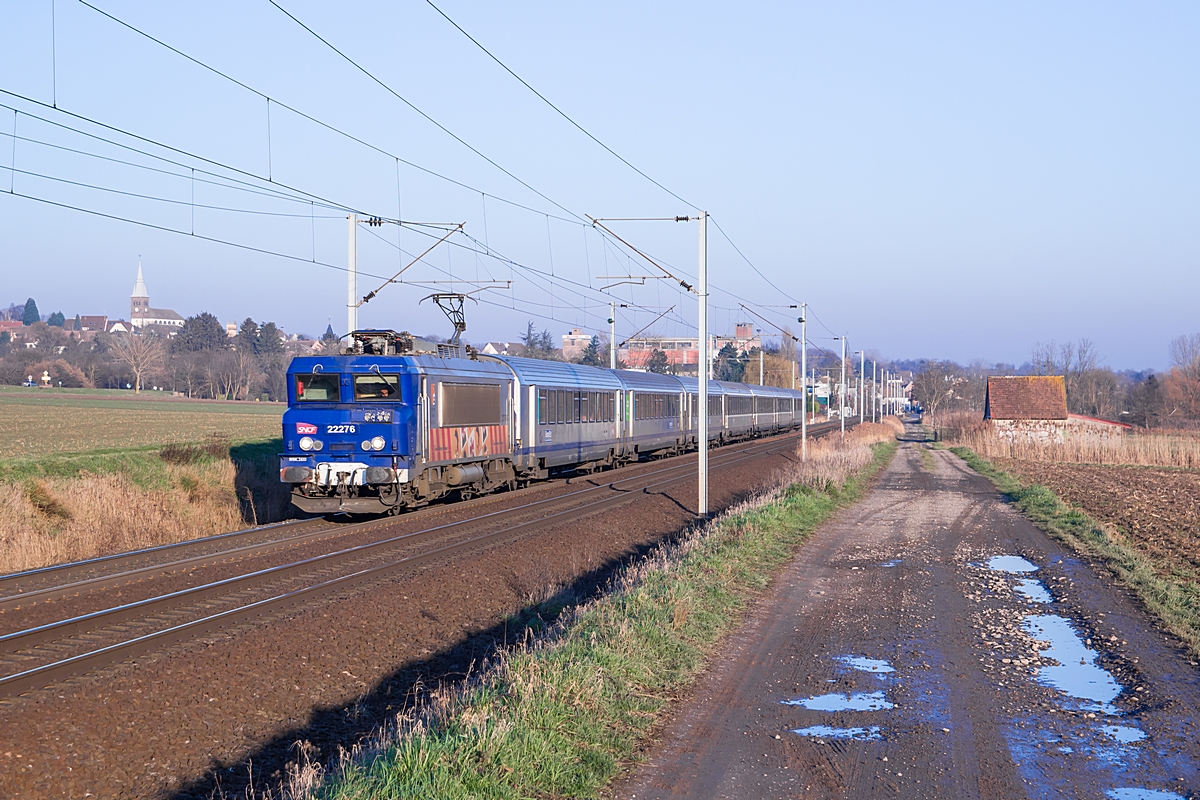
x: 141, y: 315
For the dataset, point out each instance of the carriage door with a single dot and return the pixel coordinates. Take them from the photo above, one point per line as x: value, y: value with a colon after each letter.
x: 423, y: 417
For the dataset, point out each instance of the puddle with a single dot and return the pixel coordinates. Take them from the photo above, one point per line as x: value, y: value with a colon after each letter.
x: 1033, y: 591
x: 860, y: 701
x: 1014, y: 564
x: 826, y: 732
x: 1124, y: 734
x: 863, y: 664
x: 1142, y: 794
x: 895, y: 562
x: 1077, y: 674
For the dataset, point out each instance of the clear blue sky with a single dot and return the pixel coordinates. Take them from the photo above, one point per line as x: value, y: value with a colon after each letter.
x: 944, y: 180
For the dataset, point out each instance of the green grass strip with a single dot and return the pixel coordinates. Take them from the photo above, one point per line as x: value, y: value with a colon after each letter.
x: 559, y: 719
x: 1173, y: 598
x: 143, y: 466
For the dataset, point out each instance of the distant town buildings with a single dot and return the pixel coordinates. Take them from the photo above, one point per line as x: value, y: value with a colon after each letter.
x: 502, y: 349
x: 683, y: 353
x: 141, y: 315
x: 574, y: 343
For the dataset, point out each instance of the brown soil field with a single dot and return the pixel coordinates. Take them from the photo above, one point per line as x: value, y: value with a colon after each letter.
x: 1157, y: 510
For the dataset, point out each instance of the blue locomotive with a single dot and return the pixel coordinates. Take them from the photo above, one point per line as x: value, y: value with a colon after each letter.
x: 395, y: 423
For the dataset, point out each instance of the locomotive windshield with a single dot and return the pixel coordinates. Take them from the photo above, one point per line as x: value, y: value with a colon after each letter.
x: 317, y: 387
x: 376, y: 387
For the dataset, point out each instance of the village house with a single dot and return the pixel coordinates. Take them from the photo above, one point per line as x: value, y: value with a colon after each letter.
x: 502, y: 348
x: 1034, y: 408
x: 574, y: 343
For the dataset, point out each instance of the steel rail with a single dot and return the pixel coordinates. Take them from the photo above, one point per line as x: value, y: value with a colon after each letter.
x: 22, y: 599
x: 38, y: 677
x: 74, y: 566
x: 117, y: 614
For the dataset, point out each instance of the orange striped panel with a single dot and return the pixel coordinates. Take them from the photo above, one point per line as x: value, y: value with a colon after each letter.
x: 457, y: 444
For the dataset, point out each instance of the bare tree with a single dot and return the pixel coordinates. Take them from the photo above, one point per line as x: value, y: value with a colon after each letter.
x: 247, y: 373
x: 1185, y: 355
x: 189, y: 370
x: 933, y: 385
x: 1077, y: 363
x: 1183, y: 384
x: 142, y: 353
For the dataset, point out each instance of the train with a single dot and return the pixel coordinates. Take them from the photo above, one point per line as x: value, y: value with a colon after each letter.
x: 394, y: 423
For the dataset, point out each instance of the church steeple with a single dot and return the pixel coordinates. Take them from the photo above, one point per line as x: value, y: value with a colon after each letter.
x: 139, y: 301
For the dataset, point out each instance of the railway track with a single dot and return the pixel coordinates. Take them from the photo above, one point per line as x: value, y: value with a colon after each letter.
x: 41, y: 655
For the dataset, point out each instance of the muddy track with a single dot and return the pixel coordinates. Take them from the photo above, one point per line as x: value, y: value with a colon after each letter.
x: 176, y: 722
x: 932, y: 643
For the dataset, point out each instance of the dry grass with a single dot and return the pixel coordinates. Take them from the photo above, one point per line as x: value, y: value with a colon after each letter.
x: 36, y: 426
x: 1156, y: 448
x: 55, y: 520
x: 831, y: 459
x: 83, y: 476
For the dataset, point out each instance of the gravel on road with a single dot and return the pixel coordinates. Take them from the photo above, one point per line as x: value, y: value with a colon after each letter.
x: 930, y: 642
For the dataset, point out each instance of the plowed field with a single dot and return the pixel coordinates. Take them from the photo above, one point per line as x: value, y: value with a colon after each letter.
x: 1157, y: 509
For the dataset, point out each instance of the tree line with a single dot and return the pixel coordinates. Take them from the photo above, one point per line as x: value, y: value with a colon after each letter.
x: 200, y: 360
x: 1141, y: 398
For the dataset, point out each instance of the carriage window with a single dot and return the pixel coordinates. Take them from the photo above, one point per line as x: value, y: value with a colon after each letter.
x: 580, y: 411
x: 376, y: 387
x: 541, y: 406
x: 552, y: 409
x: 714, y: 405
x: 317, y: 387
x: 471, y: 404
x: 560, y: 406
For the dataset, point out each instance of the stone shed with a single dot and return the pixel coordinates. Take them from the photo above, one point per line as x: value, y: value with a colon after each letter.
x: 1034, y: 408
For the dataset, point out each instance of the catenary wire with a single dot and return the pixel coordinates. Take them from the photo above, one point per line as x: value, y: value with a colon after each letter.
x: 437, y: 124
x: 172, y: 201
x: 311, y: 118
x: 560, y: 112
x: 311, y: 197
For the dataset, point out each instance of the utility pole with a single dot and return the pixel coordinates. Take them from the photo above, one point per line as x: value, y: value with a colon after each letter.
x: 862, y: 386
x: 701, y: 291
x: 612, y: 335
x: 874, y: 389
x: 352, y: 275
x: 803, y: 373
x: 760, y: 361
x: 842, y: 389
x: 702, y: 489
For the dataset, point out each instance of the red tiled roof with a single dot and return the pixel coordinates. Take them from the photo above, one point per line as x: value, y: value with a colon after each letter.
x: 1026, y: 397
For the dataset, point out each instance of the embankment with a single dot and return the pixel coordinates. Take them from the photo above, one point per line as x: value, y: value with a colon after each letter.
x: 560, y: 716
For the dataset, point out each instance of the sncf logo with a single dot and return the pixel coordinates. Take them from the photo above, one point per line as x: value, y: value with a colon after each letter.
x: 304, y: 428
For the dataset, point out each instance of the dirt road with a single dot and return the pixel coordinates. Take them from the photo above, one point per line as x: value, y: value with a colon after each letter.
x: 932, y: 643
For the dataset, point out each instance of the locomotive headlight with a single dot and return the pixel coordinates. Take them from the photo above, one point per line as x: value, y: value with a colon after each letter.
x: 378, y: 442
x: 366, y: 445
x: 318, y: 444
x: 306, y: 443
